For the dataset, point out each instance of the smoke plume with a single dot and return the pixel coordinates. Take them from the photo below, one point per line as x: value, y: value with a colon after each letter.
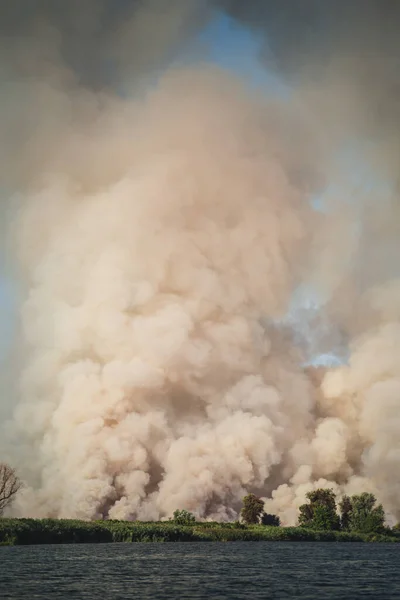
x: 159, y: 220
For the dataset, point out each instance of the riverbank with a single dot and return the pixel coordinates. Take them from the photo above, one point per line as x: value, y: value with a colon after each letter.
x: 65, y: 531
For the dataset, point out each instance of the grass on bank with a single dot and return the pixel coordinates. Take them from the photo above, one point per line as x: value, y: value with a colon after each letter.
x: 66, y: 531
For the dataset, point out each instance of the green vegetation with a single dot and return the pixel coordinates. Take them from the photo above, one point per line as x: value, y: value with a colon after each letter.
x: 360, y: 520
x: 358, y: 514
x: 252, y: 510
x: 63, y: 531
x: 271, y: 520
x: 253, y: 513
x: 365, y: 516
x: 320, y: 513
x: 183, y: 517
x: 345, y: 512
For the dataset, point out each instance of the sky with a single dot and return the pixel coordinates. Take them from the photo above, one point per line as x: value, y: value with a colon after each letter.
x: 233, y: 47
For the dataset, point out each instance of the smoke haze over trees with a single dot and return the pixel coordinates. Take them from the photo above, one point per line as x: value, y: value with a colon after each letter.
x: 158, y: 219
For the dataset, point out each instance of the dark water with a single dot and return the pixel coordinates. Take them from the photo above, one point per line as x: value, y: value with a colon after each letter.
x: 201, y: 570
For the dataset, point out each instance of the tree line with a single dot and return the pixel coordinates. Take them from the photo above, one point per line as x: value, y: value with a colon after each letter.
x: 359, y: 513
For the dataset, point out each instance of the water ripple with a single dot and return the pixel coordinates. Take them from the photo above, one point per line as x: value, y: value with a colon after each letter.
x: 201, y: 570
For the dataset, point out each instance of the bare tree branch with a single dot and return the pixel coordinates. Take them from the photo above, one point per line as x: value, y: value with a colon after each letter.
x: 10, y: 484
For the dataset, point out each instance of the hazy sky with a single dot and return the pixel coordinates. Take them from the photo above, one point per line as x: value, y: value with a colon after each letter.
x: 229, y: 44
x: 224, y: 42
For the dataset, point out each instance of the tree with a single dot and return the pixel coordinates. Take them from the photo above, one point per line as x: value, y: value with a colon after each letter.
x: 345, y: 507
x: 365, y: 517
x: 252, y: 510
x: 320, y: 513
x: 184, y: 517
x: 325, y: 519
x: 9, y: 486
x: 306, y: 514
x: 271, y: 520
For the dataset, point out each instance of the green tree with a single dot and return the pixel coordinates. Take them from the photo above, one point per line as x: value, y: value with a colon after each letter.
x: 320, y: 513
x: 365, y: 517
x: 271, y: 520
x: 325, y: 519
x: 184, y: 517
x: 345, y: 508
x: 252, y: 510
x: 306, y: 514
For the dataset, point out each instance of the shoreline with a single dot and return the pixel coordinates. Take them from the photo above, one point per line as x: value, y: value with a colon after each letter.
x: 68, y: 531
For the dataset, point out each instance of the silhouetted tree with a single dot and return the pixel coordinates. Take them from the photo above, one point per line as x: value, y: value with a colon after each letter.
x: 271, y: 520
x: 253, y: 508
x: 9, y: 486
x: 320, y: 512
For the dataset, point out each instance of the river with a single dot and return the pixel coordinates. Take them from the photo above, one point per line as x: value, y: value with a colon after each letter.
x: 268, y: 570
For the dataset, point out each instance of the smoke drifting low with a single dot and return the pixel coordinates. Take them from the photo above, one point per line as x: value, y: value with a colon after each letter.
x: 158, y: 238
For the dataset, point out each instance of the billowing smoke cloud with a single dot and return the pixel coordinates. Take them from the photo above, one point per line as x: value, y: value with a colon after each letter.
x: 158, y: 237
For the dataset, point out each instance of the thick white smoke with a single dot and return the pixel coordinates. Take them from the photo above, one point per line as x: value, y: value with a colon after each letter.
x: 152, y: 381
x: 158, y: 241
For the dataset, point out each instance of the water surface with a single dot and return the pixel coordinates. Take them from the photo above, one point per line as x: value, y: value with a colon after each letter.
x: 268, y: 570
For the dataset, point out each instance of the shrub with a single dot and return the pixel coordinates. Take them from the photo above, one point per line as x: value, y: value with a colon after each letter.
x: 183, y: 517
x: 271, y: 520
x: 64, y: 531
